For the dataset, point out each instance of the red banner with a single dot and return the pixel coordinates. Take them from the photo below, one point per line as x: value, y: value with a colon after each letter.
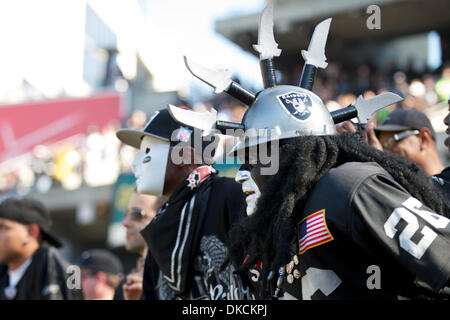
x: 23, y: 126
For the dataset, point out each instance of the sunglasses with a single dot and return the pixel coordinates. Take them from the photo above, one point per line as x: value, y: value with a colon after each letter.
x: 136, y: 214
x: 396, y: 138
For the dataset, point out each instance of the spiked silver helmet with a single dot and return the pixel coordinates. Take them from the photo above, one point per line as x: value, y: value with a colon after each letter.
x: 279, y: 111
x: 284, y: 112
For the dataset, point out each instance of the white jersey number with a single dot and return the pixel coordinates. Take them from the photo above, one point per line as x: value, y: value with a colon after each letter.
x: 410, y: 207
x: 325, y: 281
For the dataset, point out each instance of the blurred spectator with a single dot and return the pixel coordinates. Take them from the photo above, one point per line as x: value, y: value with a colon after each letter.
x: 363, y: 79
x: 346, y: 99
x: 102, y: 162
x: 137, y: 120
x: 410, y: 134
x: 101, y: 273
x: 31, y: 267
x: 443, y: 178
x: 127, y: 153
x: 400, y: 83
x: 409, y: 102
x: 447, y: 122
x: 431, y: 97
x: 332, y: 105
x: 96, y: 158
x: 368, y: 94
x: 443, y: 84
x: 140, y: 212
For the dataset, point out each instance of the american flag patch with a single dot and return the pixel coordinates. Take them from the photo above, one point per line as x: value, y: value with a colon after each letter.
x: 313, y: 231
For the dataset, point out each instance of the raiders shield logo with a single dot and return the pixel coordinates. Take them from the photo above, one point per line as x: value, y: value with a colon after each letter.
x: 298, y: 104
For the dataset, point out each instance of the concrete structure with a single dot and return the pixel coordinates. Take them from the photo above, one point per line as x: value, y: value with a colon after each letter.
x: 349, y: 36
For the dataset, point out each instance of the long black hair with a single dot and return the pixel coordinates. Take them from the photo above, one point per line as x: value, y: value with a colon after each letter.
x: 268, y: 233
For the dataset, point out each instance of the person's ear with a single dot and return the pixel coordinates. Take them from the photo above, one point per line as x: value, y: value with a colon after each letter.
x: 101, y: 277
x: 33, y: 233
x: 425, y: 138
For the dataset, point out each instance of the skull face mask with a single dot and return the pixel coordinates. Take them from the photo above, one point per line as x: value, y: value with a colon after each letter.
x: 149, y: 165
x: 249, y: 187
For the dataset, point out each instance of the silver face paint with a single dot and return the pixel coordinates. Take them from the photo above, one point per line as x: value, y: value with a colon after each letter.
x: 250, y: 188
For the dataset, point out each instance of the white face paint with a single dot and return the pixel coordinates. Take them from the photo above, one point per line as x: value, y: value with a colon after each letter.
x: 250, y: 188
x: 149, y: 165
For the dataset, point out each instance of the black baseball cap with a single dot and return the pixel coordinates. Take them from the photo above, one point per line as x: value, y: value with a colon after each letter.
x: 405, y: 119
x: 29, y: 211
x: 102, y: 260
x: 161, y: 125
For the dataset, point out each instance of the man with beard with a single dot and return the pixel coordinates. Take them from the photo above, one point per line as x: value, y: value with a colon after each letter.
x: 31, y: 268
x: 141, y: 210
x: 187, y: 239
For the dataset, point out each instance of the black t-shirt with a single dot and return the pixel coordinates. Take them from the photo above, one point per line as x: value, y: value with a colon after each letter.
x: 362, y: 236
x: 46, y: 278
x: 118, y: 292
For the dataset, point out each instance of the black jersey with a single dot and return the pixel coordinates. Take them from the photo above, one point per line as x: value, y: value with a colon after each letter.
x: 442, y: 181
x: 363, y: 236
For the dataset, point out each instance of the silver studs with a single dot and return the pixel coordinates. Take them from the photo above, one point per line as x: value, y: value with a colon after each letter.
x: 280, y: 281
x: 289, y: 267
x: 290, y: 278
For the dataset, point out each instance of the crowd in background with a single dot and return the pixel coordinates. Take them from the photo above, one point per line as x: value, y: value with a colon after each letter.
x: 339, y: 86
x: 97, y: 157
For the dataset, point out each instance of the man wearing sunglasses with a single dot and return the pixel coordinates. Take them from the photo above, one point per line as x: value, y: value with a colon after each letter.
x: 140, y: 211
x: 409, y: 133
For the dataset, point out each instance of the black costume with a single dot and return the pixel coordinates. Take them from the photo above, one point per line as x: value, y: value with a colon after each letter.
x: 368, y: 224
x: 46, y: 278
x: 348, y: 218
x: 187, y: 241
x: 442, y: 181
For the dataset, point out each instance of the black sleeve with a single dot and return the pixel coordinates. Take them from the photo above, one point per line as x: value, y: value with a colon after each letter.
x: 118, y: 293
x: 56, y: 275
x: 148, y: 283
x: 417, y: 237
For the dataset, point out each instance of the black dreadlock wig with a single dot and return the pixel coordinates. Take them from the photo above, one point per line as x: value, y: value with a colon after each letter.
x: 269, y: 232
